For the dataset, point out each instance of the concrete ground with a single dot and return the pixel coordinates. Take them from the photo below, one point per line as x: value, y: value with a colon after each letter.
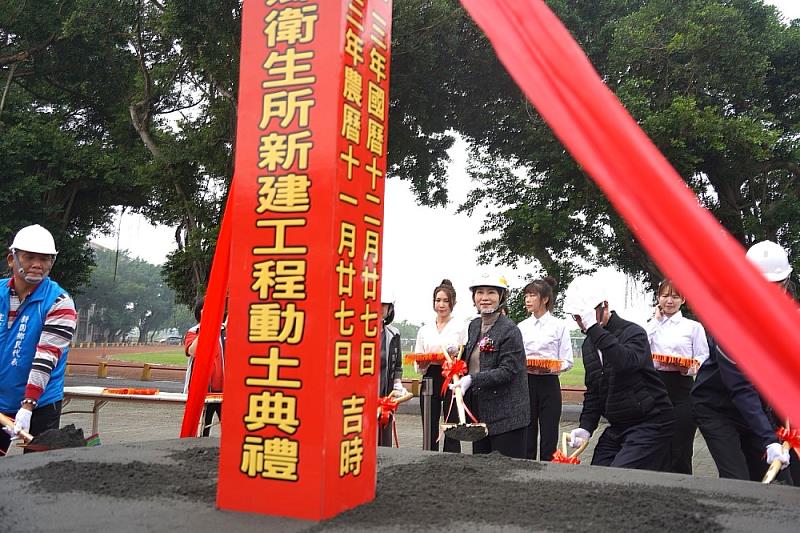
x: 126, y: 424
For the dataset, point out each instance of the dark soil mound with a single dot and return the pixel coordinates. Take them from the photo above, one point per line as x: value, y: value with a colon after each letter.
x: 194, y: 477
x: 492, y: 490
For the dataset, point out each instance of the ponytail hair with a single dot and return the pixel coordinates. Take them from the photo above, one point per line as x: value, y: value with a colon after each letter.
x: 446, y: 286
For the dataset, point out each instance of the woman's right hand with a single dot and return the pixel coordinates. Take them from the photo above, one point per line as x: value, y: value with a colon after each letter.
x: 657, y: 312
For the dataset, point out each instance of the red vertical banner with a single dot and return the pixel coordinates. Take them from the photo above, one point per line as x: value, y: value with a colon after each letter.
x: 302, y: 357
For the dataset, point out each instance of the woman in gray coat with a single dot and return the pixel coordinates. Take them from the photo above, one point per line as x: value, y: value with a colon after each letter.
x: 496, y: 386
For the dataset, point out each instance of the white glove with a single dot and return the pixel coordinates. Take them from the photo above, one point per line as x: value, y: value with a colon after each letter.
x: 22, y: 422
x: 577, y: 437
x: 452, y: 350
x: 465, y: 383
x: 775, y: 451
x: 398, y: 389
x: 588, y: 318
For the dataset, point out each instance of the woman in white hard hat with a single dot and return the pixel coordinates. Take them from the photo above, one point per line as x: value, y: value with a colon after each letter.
x: 679, y: 347
x: 496, y: 387
x: 37, y: 321
x: 548, y: 351
x: 433, y: 337
x: 621, y: 385
x: 736, y: 423
x: 391, y: 376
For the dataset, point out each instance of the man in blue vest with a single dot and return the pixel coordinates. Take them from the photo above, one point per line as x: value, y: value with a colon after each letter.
x: 37, y: 321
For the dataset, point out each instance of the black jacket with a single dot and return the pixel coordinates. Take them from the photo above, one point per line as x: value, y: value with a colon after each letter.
x: 391, y: 359
x: 499, y: 391
x: 625, y: 387
x: 721, y: 389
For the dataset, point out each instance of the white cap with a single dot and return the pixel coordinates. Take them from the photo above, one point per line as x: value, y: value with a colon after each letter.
x: 584, y: 293
x: 771, y: 259
x: 34, y: 239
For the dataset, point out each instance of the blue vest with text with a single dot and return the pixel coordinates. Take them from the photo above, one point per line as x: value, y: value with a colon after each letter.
x: 18, y: 346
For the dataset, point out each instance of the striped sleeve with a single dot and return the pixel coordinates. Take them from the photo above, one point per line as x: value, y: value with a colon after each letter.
x: 57, y: 332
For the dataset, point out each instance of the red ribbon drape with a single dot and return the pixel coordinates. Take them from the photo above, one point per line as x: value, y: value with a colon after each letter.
x: 210, y: 324
x: 689, y: 245
x: 451, y: 369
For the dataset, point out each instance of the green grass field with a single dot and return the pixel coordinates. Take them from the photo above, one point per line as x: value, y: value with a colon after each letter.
x: 174, y: 357
x: 573, y: 378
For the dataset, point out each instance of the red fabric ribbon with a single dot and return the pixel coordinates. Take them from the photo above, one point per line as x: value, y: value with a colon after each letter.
x: 451, y: 369
x: 792, y: 436
x: 559, y: 457
x: 388, y: 407
x: 690, y: 246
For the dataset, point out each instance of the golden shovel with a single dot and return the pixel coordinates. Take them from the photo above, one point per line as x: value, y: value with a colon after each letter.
x: 462, y: 430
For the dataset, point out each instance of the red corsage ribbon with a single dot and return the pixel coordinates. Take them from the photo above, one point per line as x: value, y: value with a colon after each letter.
x: 559, y: 457
x: 792, y: 436
x: 451, y: 369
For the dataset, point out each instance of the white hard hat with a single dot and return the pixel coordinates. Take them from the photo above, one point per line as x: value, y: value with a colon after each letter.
x: 489, y: 280
x: 583, y: 293
x: 34, y: 239
x: 387, y: 296
x: 771, y: 259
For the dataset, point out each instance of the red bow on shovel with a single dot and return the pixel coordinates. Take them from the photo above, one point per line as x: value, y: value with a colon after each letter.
x: 387, y: 407
x: 450, y: 369
x: 791, y: 439
x: 561, y: 456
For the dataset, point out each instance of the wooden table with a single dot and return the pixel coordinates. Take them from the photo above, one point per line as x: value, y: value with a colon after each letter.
x: 95, y: 394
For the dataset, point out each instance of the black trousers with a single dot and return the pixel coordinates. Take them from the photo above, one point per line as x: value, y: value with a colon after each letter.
x: 643, y: 446
x: 42, y: 419
x: 511, y: 444
x: 439, y: 406
x: 736, y: 450
x: 679, y: 388
x: 385, y: 435
x: 209, y: 418
x: 545, y: 398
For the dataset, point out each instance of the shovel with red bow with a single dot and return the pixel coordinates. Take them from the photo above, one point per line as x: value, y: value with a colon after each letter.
x: 561, y: 456
x: 452, y: 370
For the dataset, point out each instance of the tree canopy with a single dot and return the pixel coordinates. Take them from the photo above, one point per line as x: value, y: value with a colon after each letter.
x: 124, y: 293
x: 713, y: 83
x: 132, y: 103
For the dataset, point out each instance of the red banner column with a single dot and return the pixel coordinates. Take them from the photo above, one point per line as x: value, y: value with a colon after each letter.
x: 302, y: 358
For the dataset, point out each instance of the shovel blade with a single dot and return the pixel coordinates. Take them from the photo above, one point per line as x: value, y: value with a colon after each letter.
x: 466, y: 432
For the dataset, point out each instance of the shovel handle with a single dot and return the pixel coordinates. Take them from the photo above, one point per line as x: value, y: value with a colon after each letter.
x: 578, y: 450
x: 404, y: 398
x: 775, y: 467
x: 462, y: 416
x: 9, y: 423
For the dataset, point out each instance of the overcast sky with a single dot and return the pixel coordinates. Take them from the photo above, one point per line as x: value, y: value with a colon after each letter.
x: 421, y: 245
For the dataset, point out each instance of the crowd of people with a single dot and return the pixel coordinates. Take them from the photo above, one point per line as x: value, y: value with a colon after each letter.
x: 655, y: 386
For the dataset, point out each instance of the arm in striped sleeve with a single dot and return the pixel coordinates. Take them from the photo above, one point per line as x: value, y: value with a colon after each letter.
x: 59, y: 326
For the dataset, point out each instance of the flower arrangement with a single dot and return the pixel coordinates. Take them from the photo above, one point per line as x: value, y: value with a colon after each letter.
x: 486, y: 344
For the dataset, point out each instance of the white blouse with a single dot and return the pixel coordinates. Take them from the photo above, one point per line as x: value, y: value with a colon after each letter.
x: 677, y: 335
x: 547, y: 337
x: 430, y: 339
